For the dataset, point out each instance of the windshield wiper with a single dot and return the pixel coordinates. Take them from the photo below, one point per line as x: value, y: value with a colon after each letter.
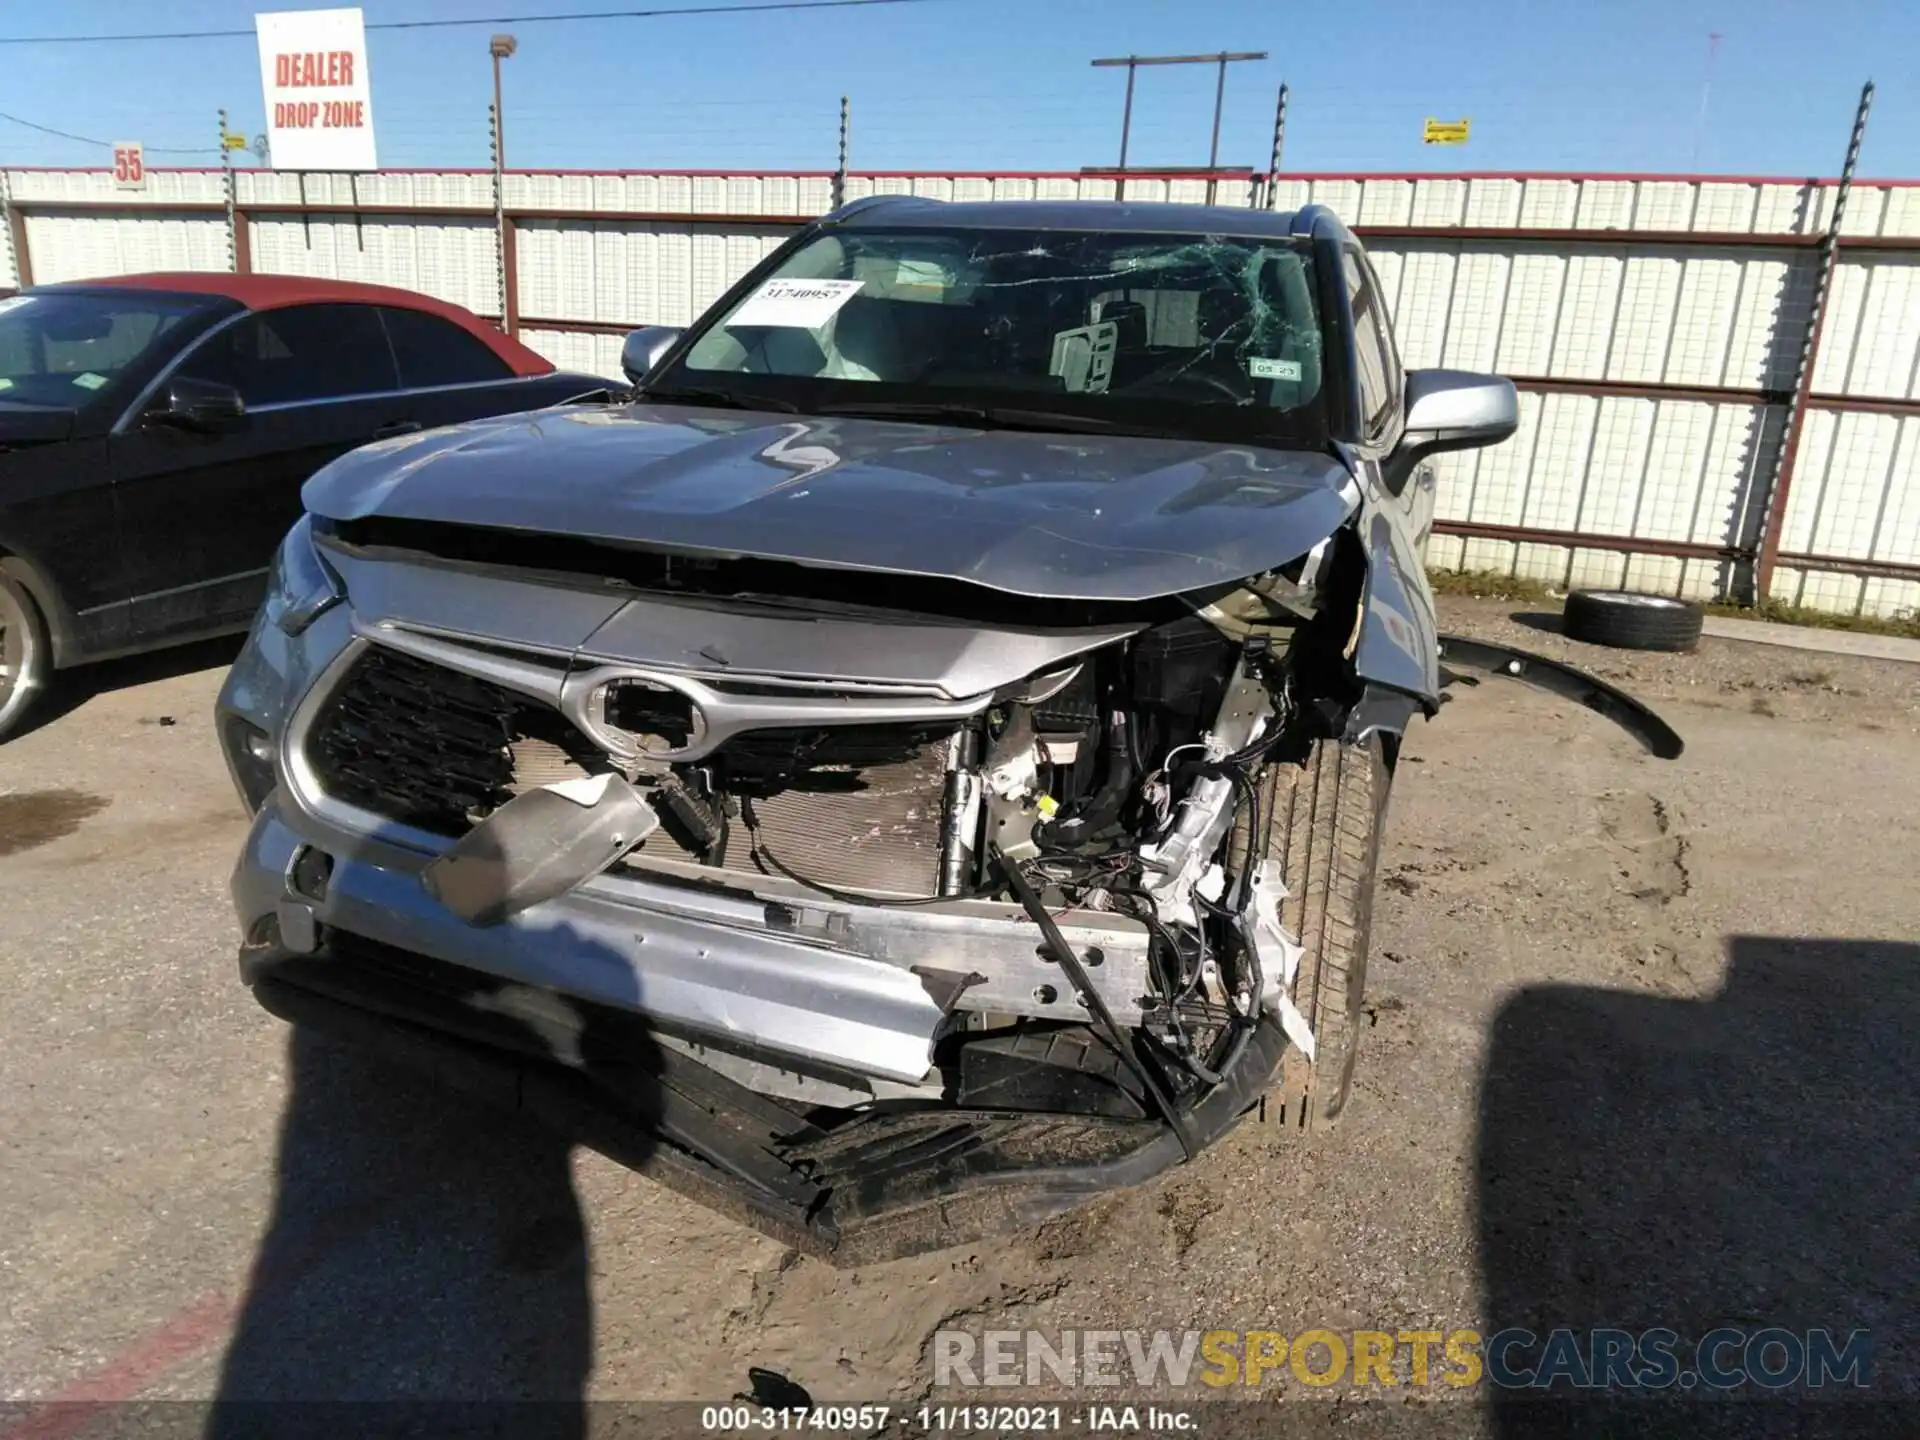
x: 990, y: 417
x: 713, y: 395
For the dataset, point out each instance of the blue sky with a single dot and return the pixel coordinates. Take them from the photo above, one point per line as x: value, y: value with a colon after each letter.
x: 972, y: 84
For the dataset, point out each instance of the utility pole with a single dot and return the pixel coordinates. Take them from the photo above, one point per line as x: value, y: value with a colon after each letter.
x: 1133, y: 62
x: 1706, y: 90
x: 1126, y: 129
x: 500, y: 47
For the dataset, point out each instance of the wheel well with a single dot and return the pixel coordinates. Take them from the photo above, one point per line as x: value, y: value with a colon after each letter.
x: 45, y: 599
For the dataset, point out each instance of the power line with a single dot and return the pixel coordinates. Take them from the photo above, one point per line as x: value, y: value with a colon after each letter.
x: 89, y: 140
x: 653, y: 14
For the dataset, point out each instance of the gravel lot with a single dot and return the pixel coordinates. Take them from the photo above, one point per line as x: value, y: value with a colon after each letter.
x: 1643, y: 1053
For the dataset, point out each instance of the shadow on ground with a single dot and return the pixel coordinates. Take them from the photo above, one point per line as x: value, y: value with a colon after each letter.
x: 1547, y: 621
x: 1744, y: 1161
x: 423, y: 1248
x: 425, y: 1269
x: 68, y: 690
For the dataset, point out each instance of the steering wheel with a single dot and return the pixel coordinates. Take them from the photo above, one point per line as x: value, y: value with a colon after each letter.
x: 1189, y: 379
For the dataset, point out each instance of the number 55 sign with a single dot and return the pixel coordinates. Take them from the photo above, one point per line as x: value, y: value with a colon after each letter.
x: 129, y: 169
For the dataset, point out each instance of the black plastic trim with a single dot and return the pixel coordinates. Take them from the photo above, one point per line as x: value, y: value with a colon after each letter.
x: 833, y: 1191
x: 1632, y: 715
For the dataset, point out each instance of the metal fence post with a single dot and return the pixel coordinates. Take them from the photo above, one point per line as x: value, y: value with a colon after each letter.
x: 11, y: 223
x: 507, y: 317
x: 840, y: 171
x: 1279, y: 140
x: 227, y: 188
x: 1780, y: 481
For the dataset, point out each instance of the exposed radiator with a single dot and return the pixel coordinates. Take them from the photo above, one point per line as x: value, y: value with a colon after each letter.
x: 867, y: 813
x: 855, y: 807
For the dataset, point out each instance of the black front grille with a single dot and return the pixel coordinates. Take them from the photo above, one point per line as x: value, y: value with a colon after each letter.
x: 417, y: 742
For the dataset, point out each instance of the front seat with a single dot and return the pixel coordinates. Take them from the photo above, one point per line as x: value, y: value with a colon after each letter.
x: 866, y: 343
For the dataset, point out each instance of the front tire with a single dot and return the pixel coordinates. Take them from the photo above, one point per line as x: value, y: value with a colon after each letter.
x: 1327, y: 814
x: 26, y: 658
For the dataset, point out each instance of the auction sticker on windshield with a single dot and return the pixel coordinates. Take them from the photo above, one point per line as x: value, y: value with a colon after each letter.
x: 795, y: 304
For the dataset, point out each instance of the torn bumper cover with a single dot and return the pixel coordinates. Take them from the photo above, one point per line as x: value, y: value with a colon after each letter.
x: 375, y: 958
x: 1570, y: 683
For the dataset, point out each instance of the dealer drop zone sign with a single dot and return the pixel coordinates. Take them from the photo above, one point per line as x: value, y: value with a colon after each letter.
x: 313, y: 72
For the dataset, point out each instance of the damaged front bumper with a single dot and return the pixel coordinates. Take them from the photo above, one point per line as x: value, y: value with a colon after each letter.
x: 710, y: 961
x: 598, y: 1012
x: 769, y: 1047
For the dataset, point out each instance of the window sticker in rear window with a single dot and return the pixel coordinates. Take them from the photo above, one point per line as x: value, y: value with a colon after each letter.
x: 795, y: 304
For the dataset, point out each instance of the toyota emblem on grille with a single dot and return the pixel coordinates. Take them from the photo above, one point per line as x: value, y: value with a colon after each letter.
x: 655, y: 719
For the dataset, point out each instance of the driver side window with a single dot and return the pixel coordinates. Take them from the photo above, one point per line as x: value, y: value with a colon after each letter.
x: 1373, y: 347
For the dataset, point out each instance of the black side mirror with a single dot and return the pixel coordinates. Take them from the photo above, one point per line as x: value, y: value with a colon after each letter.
x: 205, y: 407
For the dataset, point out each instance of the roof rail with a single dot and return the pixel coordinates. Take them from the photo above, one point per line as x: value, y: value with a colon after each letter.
x: 871, y: 202
x: 1308, y: 218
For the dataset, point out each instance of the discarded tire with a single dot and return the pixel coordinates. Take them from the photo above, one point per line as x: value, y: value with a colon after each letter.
x: 1632, y: 622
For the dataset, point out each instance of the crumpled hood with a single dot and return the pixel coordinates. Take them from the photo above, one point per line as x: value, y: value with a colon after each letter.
x: 1092, y: 517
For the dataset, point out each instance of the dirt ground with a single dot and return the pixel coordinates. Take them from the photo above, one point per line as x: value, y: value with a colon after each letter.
x: 1642, y: 1052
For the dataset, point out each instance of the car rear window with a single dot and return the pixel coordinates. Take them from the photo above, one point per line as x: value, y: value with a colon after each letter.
x: 302, y: 353
x: 432, y: 351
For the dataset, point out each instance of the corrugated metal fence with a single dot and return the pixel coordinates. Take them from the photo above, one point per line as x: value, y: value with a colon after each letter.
x: 1653, y: 324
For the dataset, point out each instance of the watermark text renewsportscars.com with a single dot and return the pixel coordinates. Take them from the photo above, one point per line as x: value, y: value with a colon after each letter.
x: 1759, y: 1358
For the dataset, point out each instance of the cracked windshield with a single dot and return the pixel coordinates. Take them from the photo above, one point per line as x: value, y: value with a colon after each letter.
x: 1080, y: 330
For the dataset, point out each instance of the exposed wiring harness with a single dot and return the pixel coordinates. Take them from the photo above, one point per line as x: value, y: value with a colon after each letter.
x: 1178, y: 955
x: 1069, y: 961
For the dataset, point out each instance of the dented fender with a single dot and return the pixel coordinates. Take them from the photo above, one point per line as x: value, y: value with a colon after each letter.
x: 1570, y: 683
x: 1394, y: 651
x: 1397, y: 644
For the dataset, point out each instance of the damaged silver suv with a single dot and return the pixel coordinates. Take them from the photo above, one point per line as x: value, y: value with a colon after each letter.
x: 916, y: 762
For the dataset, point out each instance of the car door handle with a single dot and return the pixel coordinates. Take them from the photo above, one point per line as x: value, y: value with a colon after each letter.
x: 396, y: 427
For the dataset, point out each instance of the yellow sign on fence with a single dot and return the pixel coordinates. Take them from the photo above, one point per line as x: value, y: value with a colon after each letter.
x: 1445, y: 132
